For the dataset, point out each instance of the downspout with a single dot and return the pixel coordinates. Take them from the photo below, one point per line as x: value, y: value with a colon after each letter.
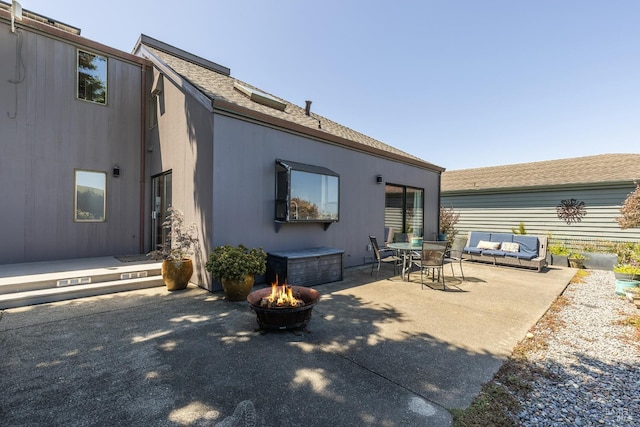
x: 143, y: 153
x: 439, y: 204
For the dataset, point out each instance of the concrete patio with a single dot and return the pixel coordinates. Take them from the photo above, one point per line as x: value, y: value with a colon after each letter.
x: 378, y: 352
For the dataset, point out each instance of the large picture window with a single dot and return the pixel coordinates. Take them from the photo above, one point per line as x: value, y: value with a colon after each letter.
x: 306, y: 193
x: 403, y: 210
x: 90, y: 201
x: 92, y: 77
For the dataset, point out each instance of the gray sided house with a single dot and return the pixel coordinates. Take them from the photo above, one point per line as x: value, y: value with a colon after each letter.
x: 570, y: 199
x: 249, y: 167
x: 71, y: 143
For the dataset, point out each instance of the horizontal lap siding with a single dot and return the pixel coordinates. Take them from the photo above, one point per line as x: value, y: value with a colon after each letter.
x: 500, y: 212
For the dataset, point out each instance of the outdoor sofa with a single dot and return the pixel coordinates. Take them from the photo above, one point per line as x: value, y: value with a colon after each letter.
x: 506, y: 249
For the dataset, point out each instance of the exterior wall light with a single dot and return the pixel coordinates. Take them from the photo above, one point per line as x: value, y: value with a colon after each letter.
x: 379, y: 179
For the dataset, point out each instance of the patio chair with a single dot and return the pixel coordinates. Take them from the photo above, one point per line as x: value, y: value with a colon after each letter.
x: 454, y: 254
x: 386, y: 256
x: 388, y: 235
x: 431, y: 258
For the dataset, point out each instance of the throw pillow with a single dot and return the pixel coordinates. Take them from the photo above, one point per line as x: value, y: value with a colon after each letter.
x: 510, y: 247
x: 483, y: 244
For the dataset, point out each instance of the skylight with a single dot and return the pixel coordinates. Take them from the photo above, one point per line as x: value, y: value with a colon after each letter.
x: 260, y: 97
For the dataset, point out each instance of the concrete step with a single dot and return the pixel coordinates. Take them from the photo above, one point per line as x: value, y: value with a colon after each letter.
x: 63, y: 293
x: 56, y: 279
x: 42, y: 282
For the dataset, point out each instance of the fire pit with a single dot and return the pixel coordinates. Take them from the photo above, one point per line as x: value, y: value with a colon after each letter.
x: 283, y: 307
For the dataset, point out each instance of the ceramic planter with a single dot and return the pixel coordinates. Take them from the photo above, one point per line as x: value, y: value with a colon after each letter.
x: 238, y: 290
x: 176, y: 274
x: 623, y: 285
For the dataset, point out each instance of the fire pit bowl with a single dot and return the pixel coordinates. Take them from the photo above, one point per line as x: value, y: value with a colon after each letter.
x: 284, y: 317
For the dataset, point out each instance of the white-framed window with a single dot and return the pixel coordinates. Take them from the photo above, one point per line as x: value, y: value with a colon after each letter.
x: 92, y: 77
x: 90, y: 196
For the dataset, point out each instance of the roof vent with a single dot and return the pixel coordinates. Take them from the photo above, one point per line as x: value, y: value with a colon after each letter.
x: 307, y: 109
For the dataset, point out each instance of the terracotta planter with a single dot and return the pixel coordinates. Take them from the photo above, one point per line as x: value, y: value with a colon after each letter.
x: 238, y: 290
x: 176, y: 274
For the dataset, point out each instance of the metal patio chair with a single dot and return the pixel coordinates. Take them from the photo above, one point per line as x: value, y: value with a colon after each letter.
x: 386, y: 256
x: 431, y: 259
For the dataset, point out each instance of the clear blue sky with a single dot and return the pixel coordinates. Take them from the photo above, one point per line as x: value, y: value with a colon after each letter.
x: 462, y: 84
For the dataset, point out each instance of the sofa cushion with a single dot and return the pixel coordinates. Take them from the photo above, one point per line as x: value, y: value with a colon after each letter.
x: 528, y: 245
x: 484, y: 244
x: 472, y: 250
x: 476, y: 236
x: 510, y: 247
x: 494, y: 252
x: 501, y: 237
x: 521, y: 255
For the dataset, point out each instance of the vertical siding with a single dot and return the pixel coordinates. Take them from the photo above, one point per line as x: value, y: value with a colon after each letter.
x: 504, y: 211
x: 244, y: 189
x: 54, y: 133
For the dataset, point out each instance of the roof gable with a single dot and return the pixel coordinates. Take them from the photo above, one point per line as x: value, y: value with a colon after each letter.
x: 221, y: 88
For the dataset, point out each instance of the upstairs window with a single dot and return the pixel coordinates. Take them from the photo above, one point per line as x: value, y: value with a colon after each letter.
x: 92, y: 77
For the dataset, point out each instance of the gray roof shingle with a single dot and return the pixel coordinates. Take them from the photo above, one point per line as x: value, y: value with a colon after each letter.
x: 599, y: 169
x: 218, y: 86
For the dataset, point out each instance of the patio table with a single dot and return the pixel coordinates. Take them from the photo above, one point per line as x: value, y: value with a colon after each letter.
x: 405, y: 249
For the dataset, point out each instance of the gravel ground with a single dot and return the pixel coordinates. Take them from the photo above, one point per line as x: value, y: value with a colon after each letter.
x: 589, y: 374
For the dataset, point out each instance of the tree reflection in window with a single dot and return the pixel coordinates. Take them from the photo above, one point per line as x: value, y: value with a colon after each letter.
x: 90, y: 196
x: 92, y: 77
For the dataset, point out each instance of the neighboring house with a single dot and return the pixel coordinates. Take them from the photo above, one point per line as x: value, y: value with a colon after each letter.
x: 545, y: 196
x: 98, y: 143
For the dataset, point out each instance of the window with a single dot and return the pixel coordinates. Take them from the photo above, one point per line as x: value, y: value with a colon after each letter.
x: 404, y: 209
x: 92, y: 77
x: 90, y: 202
x: 306, y: 193
x: 260, y: 97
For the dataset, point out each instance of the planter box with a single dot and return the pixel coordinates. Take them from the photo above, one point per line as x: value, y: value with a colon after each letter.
x: 600, y: 261
x: 560, y: 260
x: 305, y: 267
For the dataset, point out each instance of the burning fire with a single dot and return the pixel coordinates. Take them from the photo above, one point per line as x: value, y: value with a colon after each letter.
x: 281, y: 296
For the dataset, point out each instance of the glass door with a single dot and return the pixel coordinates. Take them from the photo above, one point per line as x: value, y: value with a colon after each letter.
x: 160, y: 203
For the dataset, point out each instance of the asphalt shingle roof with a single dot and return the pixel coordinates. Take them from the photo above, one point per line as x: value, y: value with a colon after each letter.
x: 216, y: 86
x: 579, y: 170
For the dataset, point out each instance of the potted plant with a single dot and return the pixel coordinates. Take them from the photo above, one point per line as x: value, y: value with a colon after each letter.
x: 235, y: 267
x: 176, y: 251
x: 448, y: 219
x: 559, y: 254
x: 576, y: 260
x: 627, y: 271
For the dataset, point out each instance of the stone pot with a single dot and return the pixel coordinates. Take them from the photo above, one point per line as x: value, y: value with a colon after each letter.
x: 624, y: 276
x: 560, y: 260
x: 238, y: 290
x: 176, y: 274
x: 576, y: 263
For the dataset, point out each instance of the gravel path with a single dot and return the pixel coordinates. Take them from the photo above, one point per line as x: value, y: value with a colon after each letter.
x: 590, y: 371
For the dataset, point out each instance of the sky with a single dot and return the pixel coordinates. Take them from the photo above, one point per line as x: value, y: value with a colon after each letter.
x: 458, y: 83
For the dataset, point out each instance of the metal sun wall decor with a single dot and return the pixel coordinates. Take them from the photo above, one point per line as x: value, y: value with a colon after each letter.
x: 571, y: 210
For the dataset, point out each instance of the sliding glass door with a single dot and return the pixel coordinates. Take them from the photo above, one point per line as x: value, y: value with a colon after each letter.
x: 404, y: 209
